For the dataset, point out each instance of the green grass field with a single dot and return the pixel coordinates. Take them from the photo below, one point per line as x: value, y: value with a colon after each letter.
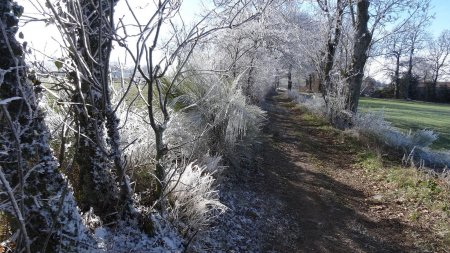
x: 408, y: 115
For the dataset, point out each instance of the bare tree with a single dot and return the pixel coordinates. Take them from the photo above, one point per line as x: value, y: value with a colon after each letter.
x: 383, y: 12
x: 438, y: 53
x: 394, y: 46
x: 159, y: 58
x: 415, y: 40
x: 364, y: 30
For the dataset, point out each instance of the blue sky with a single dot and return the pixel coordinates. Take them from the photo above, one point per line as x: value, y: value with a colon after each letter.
x: 441, y: 8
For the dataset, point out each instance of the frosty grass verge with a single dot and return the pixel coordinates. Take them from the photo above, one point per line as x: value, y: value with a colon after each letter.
x: 415, y: 144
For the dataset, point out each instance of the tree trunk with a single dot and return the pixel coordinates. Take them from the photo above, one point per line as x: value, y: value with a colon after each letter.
x: 432, y: 97
x: 329, y: 54
x: 277, y: 79
x: 408, y: 90
x: 250, y: 80
x: 310, y: 80
x: 44, y: 198
x: 360, y: 48
x: 161, y: 152
x: 99, y: 158
x: 290, y: 78
x: 397, y: 76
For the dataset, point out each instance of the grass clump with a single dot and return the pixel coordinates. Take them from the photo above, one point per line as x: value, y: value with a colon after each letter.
x: 415, y: 185
x: 423, y: 196
x: 370, y: 161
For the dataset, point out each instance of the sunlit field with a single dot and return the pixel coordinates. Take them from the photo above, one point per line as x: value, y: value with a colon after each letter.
x: 408, y: 115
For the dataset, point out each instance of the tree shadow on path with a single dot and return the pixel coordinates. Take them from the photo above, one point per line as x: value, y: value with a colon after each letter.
x: 300, y: 161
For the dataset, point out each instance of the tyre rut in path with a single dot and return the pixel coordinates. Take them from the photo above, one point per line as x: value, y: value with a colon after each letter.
x: 323, y: 206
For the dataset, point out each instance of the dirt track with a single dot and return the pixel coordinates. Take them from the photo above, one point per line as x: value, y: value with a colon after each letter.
x: 306, y: 195
x: 310, y: 169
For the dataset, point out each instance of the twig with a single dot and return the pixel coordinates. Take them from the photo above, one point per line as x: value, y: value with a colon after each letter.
x: 16, y: 209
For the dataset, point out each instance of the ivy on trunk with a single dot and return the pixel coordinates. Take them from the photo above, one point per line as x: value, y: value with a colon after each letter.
x: 42, y: 202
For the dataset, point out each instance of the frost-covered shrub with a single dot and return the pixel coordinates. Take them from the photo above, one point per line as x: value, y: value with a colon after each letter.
x: 208, y: 115
x: 415, y: 142
x: 53, y: 115
x: 374, y: 124
x: 440, y: 160
x: 186, y: 136
x: 313, y: 102
x: 189, y: 189
x: 217, y: 112
x: 423, y: 137
x: 193, y: 202
x: 137, y: 137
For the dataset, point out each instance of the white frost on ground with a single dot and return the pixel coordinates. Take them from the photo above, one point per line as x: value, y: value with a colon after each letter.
x: 127, y: 238
x: 254, y: 217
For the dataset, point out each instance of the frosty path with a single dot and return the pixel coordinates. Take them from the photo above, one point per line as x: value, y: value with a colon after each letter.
x: 306, y: 195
